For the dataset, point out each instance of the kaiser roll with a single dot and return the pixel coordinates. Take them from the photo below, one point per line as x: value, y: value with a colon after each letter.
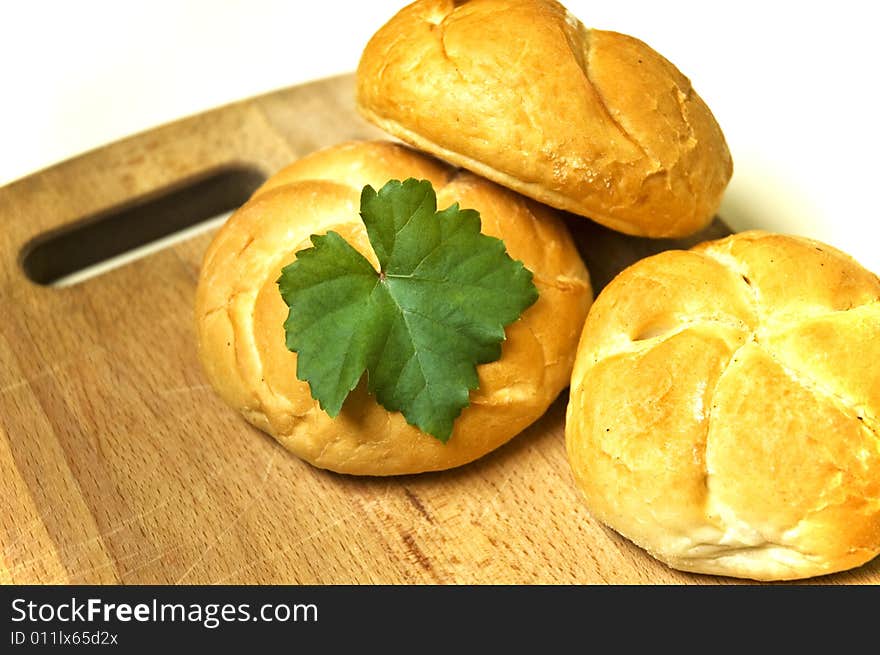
x: 725, y: 408
x: 519, y: 91
x: 240, y: 313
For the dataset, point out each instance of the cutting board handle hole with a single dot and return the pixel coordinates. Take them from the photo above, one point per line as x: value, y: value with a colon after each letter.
x: 96, y: 244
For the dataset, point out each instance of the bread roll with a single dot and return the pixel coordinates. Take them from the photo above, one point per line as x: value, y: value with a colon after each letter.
x: 240, y: 314
x: 725, y: 408
x: 519, y: 91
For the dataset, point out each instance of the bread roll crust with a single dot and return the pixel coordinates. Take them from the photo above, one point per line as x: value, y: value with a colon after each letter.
x: 725, y: 408
x: 240, y: 313
x: 589, y: 121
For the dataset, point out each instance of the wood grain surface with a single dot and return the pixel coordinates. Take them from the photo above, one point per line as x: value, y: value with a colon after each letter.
x: 118, y: 463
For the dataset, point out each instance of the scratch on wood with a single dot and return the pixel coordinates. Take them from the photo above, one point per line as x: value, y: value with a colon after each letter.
x: 68, y: 548
x: 189, y: 389
x: 299, y: 542
x: 493, y: 501
x: 50, y: 371
x: 256, y: 496
x: 380, y: 500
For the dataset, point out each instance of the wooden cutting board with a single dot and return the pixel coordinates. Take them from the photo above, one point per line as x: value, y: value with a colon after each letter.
x: 118, y: 463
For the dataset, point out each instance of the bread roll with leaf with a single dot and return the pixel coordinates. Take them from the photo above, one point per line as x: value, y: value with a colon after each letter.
x: 241, y: 315
x: 519, y: 91
x: 724, y: 411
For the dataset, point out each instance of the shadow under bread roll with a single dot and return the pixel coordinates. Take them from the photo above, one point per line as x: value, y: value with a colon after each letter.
x: 724, y: 410
x: 593, y: 122
x: 240, y: 314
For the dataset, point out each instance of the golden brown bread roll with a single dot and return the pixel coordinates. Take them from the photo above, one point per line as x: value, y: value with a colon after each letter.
x: 519, y: 91
x: 240, y: 313
x: 725, y: 408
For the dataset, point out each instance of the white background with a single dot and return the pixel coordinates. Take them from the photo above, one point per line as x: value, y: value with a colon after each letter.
x: 793, y: 85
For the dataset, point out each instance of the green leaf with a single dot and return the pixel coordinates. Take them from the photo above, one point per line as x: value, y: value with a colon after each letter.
x: 418, y: 327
